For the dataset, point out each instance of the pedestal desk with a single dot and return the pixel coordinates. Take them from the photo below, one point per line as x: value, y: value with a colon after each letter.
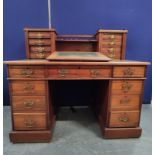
x: 120, y: 85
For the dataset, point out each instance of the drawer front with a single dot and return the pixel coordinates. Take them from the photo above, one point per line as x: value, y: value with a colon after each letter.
x: 114, y: 53
x: 125, y: 102
x: 128, y: 71
x: 127, y: 87
x: 39, y: 55
x: 111, y: 37
x: 84, y: 73
x: 39, y: 34
x: 40, y: 41
x: 26, y: 72
x: 124, y: 119
x: 24, y: 121
x: 40, y: 49
x: 28, y: 87
x: 111, y: 44
x: 28, y: 103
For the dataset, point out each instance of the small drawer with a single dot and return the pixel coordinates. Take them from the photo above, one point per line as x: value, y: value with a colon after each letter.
x: 31, y: 121
x: 39, y: 34
x: 40, y: 49
x: 107, y: 36
x: 129, y: 71
x: 28, y: 87
x: 39, y: 55
x: 127, y: 86
x: 111, y: 44
x: 114, y: 53
x: 124, y: 119
x: 28, y: 103
x: 39, y: 41
x: 125, y: 102
x: 26, y: 72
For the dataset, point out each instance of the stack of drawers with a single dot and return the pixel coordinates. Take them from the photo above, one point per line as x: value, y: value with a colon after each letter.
x: 39, y: 43
x: 112, y: 43
x: 29, y: 98
x: 126, y: 95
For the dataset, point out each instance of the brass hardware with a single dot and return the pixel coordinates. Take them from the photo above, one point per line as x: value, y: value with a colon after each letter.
x: 112, y: 36
x: 28, y: 104
x: 126, y: 86
x: 27, y: 72
x: 112, y: 43
x: 124, y: 101
x: 29, y: 87
x: 39, y: 42
x: 95, y: 73
x: 63, y: 72
x: 124, y: 119
x: 40, y: 55
x: 40, y: 49
x: 29, y: 123
x: 128, y: 72
x: 39, y: 35
x: 111, y: 52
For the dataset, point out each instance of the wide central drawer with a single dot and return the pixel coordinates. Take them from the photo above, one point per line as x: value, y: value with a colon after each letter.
x: 79, y: 73
x: 31, y: 121
x: 28, y: 87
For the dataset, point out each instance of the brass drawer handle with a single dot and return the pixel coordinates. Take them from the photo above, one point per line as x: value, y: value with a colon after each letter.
x: 39, y: 42
x: 41, y: 55
x: 29, y: 123
x: 111, y: 52
x: 29, y: 104
x: 29, y: 87
x: 40, y: 49
x: 112, y: 37
x: 63, y: 72
x: 95, y: 73
x: 112, y: 43
x: 128, y: 72
x: 27, y: 72
x: 125, y: 101
x: 124, y: 119
x: 126, y: 86
x: 39, y: 35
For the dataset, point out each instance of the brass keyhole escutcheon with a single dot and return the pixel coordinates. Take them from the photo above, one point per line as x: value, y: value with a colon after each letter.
x: 95, y: 73
x: 63, y: 72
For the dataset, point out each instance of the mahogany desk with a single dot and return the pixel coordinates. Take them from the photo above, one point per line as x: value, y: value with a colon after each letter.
x: 118, y: 104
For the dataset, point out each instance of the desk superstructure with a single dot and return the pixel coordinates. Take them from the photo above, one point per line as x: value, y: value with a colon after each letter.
x: 118, y: 104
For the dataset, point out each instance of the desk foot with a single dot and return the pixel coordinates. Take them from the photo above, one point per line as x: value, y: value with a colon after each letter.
x: 111, y: 133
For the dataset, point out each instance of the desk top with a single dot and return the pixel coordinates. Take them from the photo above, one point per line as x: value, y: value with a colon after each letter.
x: 46, y: 62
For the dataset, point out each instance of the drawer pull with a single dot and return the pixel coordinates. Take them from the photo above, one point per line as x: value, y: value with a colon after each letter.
x: 112, y: 43
x: 29, y: 87
x: 111, y: 52
x: 27, y: 72
x: 39, y: 42
x: 126, y: 86
x: 95, y: 73
x: 40, y: 55
x: 62, y: 72
x: 30, y: 123
x: 112, y: 37
x: 40, y: 49
x: 124, y: 101
x: 124, y: 119
x: 29, y: 104
x: 39, y: 35
x: 128, y: 72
